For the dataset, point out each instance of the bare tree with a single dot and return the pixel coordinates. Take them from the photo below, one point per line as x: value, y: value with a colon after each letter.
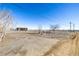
x: 5, y: 23
x: 54, y: 28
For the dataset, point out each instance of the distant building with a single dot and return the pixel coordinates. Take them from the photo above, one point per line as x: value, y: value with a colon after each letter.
x: 21, y: 29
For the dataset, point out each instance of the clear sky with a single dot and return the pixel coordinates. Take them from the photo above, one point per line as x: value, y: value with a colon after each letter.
x: 32, y: 15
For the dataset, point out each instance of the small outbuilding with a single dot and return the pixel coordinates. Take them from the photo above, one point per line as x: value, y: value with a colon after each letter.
x: 21, y: 29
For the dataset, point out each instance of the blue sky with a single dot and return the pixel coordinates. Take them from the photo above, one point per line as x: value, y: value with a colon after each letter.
x: 32, y: 15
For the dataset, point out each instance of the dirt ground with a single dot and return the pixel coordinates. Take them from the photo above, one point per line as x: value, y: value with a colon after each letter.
x: 24, y: 44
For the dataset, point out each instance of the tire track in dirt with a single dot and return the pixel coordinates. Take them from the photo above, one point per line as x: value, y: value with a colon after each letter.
x: 68, y: 47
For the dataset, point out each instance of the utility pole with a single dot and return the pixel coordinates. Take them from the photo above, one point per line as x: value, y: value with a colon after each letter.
x: 40, y: 29
x: 73, y: 27
x: 70, y: 26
